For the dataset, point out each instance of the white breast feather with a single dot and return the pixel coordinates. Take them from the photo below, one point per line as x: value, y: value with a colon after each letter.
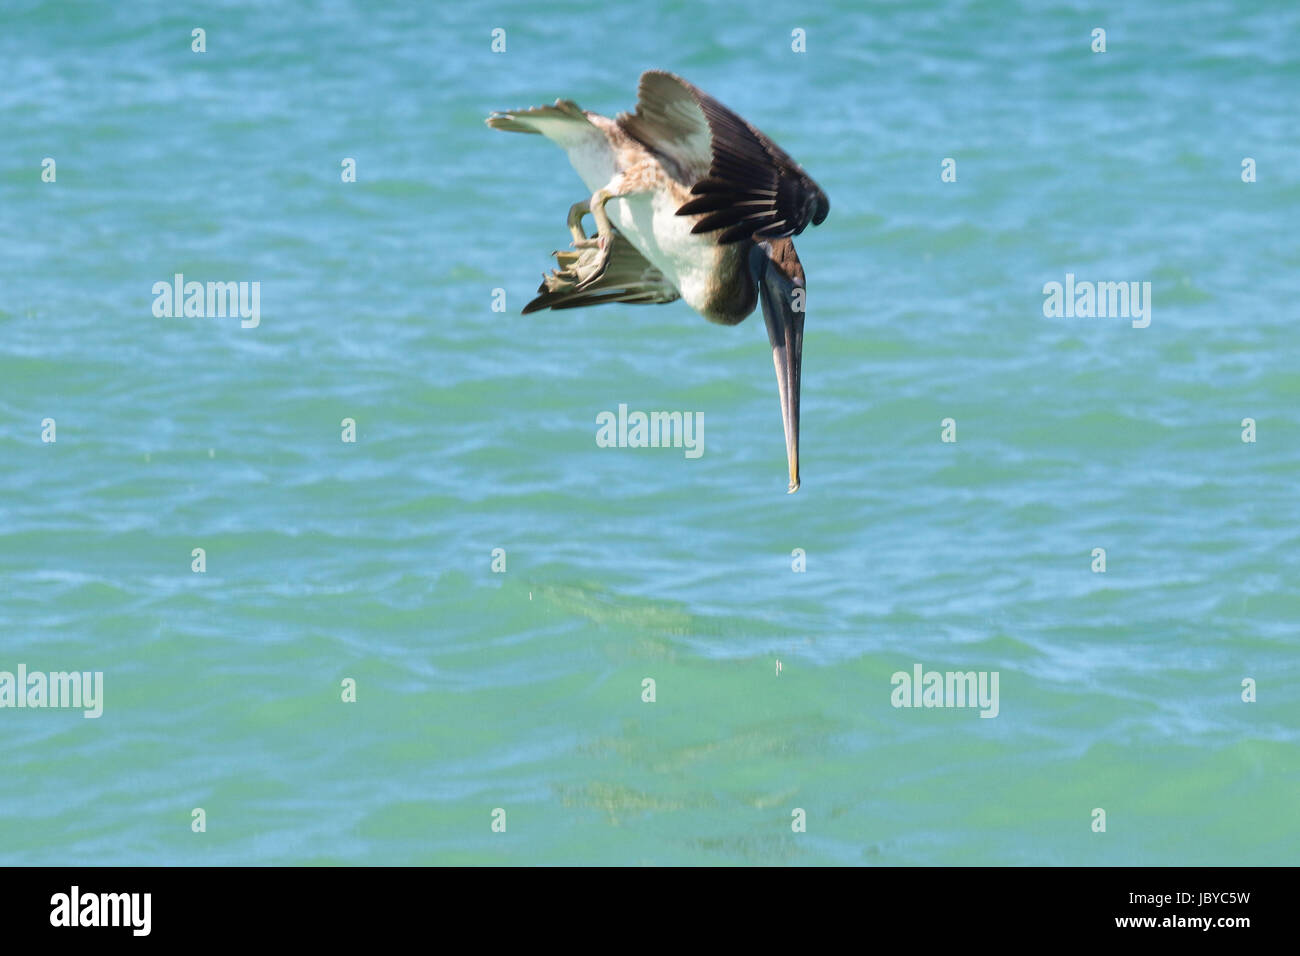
x: 651, y: 223
x: 648, y: 220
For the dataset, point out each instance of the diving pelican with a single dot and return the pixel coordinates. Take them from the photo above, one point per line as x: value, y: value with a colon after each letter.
x: 691, y: 202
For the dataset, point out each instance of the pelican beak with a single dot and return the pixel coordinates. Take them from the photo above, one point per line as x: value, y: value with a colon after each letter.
x: 780, y: 280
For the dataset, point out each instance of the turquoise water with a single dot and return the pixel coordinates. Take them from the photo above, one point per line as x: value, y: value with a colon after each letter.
x: 475, y: 430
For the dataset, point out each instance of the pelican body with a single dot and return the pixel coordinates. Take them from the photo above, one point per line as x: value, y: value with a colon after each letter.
x: 689, y: 202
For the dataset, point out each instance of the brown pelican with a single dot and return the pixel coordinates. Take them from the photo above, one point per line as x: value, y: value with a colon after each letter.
x: 689, y: 201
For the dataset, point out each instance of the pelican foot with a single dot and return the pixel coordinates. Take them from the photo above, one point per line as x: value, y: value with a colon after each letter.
x: 595, y: 206
x: 598, y: 242
x: 576, y: 212
x: 577, y: 269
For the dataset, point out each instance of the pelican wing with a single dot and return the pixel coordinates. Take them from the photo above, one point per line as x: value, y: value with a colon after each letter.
x: 743, y: 182
x: 591, y: 277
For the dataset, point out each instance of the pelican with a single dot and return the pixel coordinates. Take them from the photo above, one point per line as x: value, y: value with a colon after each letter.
x: 690, y: 202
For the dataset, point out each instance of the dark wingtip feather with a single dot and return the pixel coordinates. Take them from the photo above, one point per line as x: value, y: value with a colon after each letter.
x: 704, y: 204
x: 777, y: 230
x: 734, y: 234
x: 823, y: 210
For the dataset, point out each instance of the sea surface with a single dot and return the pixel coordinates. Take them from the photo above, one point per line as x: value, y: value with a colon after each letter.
x: 332, y: 564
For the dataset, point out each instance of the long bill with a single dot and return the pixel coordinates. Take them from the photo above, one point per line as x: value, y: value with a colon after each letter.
x: 780, y: 279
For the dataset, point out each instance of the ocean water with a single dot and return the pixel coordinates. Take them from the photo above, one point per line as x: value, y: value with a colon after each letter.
x: 475, y: 430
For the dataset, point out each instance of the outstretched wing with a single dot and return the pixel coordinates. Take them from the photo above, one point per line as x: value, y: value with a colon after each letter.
x: 744, y: 183
x: 591, y: 277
